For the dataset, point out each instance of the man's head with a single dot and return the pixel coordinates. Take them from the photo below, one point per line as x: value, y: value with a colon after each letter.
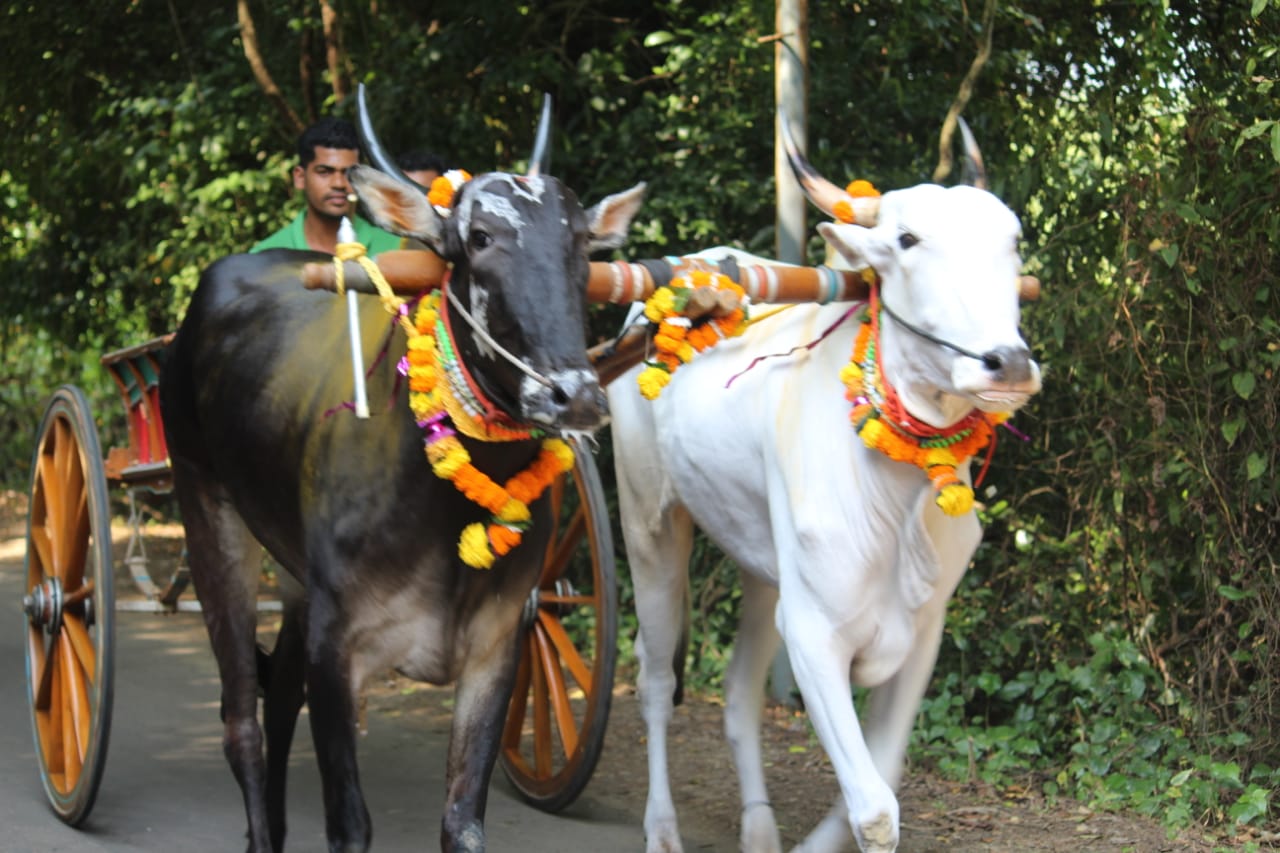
x: 422, y: 167
x: 326, y: 150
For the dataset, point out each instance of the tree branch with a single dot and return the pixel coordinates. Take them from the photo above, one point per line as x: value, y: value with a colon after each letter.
x: 249, y: 38
x: 333, y: 52
x: 945, y: 158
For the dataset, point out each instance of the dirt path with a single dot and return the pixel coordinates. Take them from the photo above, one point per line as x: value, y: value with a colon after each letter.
x: 937, y: 815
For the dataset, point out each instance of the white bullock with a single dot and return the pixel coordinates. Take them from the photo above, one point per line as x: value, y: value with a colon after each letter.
x: 845, y: 553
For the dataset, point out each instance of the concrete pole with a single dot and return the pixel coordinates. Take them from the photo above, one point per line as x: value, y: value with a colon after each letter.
x: 791, y: 87
x: 791, y: 91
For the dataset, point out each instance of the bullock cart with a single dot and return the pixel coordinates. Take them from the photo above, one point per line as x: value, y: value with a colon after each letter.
x: 556, y: 722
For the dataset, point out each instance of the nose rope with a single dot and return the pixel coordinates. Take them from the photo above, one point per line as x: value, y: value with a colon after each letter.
x: 456, y: 304
x: 988, y: 361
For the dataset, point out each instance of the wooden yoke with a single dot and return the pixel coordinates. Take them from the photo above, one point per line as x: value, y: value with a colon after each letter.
x: 410, y: 271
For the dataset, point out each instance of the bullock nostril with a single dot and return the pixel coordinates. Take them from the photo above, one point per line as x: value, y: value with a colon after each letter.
x: 558, y: 395
x: 992, y: 361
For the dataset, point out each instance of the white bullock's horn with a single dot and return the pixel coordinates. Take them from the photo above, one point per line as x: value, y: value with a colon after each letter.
x: 540, y: 160
x: 824, y: 194
x: 972, y: 171
x: 373, y: 148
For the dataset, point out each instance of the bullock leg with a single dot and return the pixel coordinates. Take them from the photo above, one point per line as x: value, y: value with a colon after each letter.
x: 753, y: 652
x: 332, y: 701
x: 659, y: 562
x: 891, y: 711
x: 479, y: 712
x: 821, y: 663
x: 280, y: 707
x: 221, y: 552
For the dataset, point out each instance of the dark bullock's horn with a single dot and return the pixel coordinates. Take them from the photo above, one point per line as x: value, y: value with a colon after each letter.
x: 540, y: 159
x: 373, y: 148
x: 972, y: 171
x: 824, y: 194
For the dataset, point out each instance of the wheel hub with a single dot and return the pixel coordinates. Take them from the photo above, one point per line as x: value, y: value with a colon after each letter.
x: 43, y: 605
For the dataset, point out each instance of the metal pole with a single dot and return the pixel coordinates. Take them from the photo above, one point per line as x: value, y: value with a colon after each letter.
x: 791, y: 86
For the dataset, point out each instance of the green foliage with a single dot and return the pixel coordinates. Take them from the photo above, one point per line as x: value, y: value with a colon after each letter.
x: 1116, y: 636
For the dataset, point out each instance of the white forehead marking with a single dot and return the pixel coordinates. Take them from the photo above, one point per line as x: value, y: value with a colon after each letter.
x: 480, y: 311
x: 528, y: 189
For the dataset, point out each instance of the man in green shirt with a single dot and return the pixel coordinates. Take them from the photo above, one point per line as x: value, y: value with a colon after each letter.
x: 326, y: 150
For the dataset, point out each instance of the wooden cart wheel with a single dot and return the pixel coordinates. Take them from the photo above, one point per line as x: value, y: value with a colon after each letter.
x: 69, y: 606
x: 560, y: 705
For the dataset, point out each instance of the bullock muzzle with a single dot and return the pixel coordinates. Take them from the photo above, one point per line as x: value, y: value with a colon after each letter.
x: 571, y: 400
x: 1002, y: 380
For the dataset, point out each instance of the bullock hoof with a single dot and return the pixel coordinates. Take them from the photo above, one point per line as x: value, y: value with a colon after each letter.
x: 469, y: 839
x: 663, y: 838
x: 877, y: 835
x: 759, y: 830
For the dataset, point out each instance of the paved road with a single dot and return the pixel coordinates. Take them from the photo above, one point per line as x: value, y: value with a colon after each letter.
x: 167, y: 788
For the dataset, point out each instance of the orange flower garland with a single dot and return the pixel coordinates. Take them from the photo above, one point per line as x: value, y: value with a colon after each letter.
x: 441, y: 191
x: 677, y: 337
x: 843, y: 211
x: 437, y: 411
x: 877, y: 413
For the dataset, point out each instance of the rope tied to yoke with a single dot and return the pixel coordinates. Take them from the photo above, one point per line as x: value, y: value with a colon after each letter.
x: 355, y: 251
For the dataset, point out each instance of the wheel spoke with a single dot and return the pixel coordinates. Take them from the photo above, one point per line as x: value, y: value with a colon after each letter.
x: 549, y: 598
x: 566, y: 649
x: 77, y: 718
x: 80, y: 643
x: 558, y: 558
x: 558, y: 694
x: 85, y: 591
x: 52, y: 734
x: 44, y: 555
x: 514, y: 726
x: 41, y: 668
x: 68, y: 704
x: 77, y: 544
x: 541, y: 720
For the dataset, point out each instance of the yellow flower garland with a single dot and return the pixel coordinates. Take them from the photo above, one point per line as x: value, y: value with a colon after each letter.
x: 437, y: 411
x: 843, y: 211
x: 677, y: 338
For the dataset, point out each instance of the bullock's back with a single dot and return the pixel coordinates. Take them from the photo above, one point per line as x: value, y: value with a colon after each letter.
x: 256, y: 385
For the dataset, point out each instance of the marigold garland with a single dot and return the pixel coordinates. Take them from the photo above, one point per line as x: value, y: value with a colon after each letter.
x: 842, y: 210
x: 437, y: 409
x: 440, y: 194
x: 883, y: 424
x: 678, y: 338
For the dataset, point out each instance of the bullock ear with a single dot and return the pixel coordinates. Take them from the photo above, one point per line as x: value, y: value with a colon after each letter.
x: 858, y: 245
x: 609, y: 220
x: 397, y: 207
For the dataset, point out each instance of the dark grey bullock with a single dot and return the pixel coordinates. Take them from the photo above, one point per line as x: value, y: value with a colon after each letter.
x: 351, y: 507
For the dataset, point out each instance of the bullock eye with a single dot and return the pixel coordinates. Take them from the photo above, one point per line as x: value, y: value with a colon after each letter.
x: 480, y: 239
x: 906, y: 239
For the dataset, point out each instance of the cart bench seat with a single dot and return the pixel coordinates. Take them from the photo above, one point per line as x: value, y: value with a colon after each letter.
x: 136, y: 372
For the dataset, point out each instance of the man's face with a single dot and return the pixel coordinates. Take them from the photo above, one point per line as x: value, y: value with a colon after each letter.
x: 324, y: 181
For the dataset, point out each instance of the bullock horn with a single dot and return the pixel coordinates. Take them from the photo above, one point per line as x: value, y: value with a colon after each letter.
x: 540, y: 159
x: 373, y: 148
x: 824, y: 194
x: 972, y: 171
